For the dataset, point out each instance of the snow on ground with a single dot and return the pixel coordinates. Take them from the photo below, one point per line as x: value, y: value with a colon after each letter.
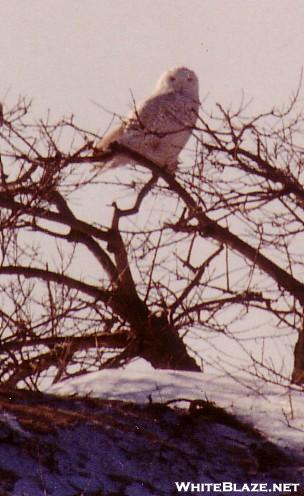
x: 56, y: 445
x: 276, y: 410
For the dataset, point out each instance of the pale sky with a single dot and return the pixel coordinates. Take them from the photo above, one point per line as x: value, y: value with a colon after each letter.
x: 66, y: 54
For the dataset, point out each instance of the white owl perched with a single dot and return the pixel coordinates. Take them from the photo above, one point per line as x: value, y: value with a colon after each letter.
x: 161, y: 126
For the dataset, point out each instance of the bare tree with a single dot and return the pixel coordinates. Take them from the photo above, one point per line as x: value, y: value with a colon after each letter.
x: 181, y: 257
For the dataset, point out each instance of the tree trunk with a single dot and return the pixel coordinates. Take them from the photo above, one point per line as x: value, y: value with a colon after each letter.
x: 163, y: 348
x: 298, y: 368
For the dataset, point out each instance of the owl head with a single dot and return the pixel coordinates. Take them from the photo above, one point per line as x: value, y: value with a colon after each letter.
x: 179, y: 79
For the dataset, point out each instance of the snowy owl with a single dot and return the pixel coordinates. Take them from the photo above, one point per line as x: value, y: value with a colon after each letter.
x: 160, y: 127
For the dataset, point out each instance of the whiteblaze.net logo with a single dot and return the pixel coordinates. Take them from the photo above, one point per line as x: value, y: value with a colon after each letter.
x: 228, y: 487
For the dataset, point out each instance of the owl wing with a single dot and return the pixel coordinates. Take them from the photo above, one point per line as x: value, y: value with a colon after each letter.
x: 156, y: 114
x: 158, y: 129
x: 147, y: 117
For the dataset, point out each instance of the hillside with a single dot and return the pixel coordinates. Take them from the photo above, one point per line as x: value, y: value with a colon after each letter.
x: 84, y: 446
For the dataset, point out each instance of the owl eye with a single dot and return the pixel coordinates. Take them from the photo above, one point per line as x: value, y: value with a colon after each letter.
x: 172, y: 78
x: 189, y: 78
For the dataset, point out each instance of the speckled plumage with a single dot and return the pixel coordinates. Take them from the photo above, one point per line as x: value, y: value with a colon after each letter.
x: 160, y: 127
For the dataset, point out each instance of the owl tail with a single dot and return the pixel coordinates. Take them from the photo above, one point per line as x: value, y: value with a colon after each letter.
x: 112, y: 162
